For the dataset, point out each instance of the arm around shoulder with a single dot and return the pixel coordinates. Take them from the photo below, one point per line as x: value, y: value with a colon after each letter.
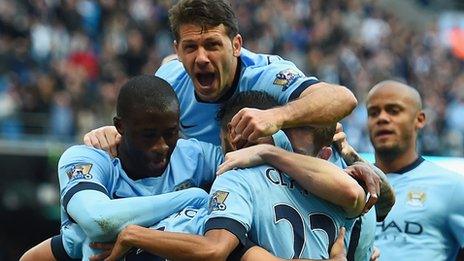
x: 320, y: 104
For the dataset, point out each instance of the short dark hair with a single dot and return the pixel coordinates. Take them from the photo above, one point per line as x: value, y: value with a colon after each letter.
x: 249, y: 99
x: 144, y: 93
x: 205, y: 13
x: 322, y: 135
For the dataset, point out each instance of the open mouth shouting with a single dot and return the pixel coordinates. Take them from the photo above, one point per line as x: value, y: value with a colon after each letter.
x: 205, y: 82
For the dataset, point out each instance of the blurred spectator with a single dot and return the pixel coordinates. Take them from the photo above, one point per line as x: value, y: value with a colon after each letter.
x: 62, y: 61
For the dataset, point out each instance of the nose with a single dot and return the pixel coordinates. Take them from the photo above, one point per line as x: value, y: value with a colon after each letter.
x: 160, y: 146
x: 202, y: 57
x: 383, y: 117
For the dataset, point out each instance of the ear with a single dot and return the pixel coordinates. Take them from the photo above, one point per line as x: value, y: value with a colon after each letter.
x: 421, y: 120
x: 325, y: 153
x: 175, y: 45
x: 230, y: 138
x: 237, y: 42
x: 117, y: 121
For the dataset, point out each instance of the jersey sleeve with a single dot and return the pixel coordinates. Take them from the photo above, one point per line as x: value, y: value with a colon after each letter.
x: 283, y: 80
x: 83, y: 168
x: 206, y: 157
x: 230, y: 205
x: 456, y: 212
x: 212, y: 157
x: 68, y: 245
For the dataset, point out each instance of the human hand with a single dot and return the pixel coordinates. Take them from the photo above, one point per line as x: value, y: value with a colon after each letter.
x: 341, y: 143
x: 251, y: 124
x: 363, y: 173
x: 122, y: 246
x: 243, y: 158
x: 106, y: 250
x: 106, y: 138
x: 375, y: 254
x: 338, y: 251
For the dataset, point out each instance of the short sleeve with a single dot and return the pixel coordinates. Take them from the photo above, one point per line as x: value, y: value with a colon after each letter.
x: 230, y: 205
x: 283, y: 80
x: 81, y: 168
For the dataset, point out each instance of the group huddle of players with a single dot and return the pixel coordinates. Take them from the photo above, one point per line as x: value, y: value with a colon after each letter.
x: 230, y: 154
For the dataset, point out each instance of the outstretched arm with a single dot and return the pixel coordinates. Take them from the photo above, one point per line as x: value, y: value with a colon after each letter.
x: 103, y: 218
x: 215, y: 245
x: 321, y: 177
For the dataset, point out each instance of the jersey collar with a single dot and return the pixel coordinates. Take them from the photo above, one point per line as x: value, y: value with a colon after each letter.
x: 410, y: 167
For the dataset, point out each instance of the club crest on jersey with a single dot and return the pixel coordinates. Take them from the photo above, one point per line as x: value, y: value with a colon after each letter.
x: 217, y: 201
x: 416, y: 198
x: 286, y: 77
x: 80, y: 171
x: 184, y: 185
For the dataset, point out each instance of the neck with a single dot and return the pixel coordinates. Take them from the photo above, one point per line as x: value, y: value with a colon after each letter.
x: 230, y: 90
x: 126, y: 163
x: 390, y: 162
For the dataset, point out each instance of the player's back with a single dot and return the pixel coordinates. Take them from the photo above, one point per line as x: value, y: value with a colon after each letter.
x: 277, y: 214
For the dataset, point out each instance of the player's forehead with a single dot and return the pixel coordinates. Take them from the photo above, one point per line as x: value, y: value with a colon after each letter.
x: 195, y: 32
x: 387, y: 97
x: 154, y: 118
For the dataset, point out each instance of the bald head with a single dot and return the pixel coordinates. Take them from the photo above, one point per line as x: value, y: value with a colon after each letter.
x: 395, y: 116
x: 401, y: 89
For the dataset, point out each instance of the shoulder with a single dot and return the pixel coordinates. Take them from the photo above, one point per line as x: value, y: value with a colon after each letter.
x: 190, y: 145
x: 172, y: 72
x: 259, y: 62
x: 195, y: 148
x: 247, y: 177
x: 77, y: 152
x: 440, y: 172
x: 251, y: 59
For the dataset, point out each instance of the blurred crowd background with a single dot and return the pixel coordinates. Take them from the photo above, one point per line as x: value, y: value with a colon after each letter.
x: 62, y: 62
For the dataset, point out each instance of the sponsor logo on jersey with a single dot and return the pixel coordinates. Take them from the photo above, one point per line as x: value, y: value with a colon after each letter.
x: 80, y: 171
x: 184, y: 185
x: 416, y: 198
x: 217, y: 201
x: 286, y: 77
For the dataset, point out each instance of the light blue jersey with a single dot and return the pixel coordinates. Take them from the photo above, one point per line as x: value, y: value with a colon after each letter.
x: 362, y: 235
x: 268, y: 73
x: 190, y: 220
x: 427, y: 220
x: 274, y: 212
x: 193, y: 164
